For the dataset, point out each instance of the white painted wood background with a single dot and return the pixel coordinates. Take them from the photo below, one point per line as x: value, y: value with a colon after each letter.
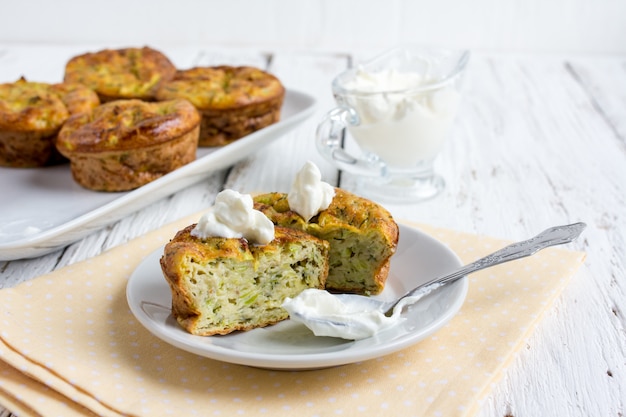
x: 540, y: 140
x: 536, y: 26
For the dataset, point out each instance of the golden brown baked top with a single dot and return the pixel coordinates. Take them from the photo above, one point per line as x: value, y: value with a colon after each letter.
x: 76, y: 97
x: 215, y: 247
x: 121, y: 73
x: 30, y: 106
x: 185, y: 244
x: 34, y: 106
x: 127, y: 124
x: 222, y: 87
x: 346, y: 209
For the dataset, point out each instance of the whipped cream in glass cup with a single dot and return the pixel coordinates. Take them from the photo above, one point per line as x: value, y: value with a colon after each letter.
x: 399, y: 108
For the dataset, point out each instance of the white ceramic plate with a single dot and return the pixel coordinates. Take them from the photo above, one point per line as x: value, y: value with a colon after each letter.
x: 43, y: 209
x: 289, y: 345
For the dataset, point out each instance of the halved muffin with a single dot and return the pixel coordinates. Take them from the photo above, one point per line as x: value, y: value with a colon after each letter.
x: 362, y: 235
x: 233, y: 101
x: 124, y: 144
x: 127, y: 73
x: 220, y: 285
x: 31, y: 115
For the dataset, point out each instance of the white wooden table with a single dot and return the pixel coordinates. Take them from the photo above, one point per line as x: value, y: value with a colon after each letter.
x: 539, y: 141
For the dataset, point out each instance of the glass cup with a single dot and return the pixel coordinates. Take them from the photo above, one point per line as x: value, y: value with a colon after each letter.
x: 399, y: 108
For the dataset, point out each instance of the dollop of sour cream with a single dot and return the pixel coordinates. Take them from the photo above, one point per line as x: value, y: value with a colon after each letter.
x: 309, y: 194
x: 351, y: 318
x: 384, y: 80
x: 233, y: 216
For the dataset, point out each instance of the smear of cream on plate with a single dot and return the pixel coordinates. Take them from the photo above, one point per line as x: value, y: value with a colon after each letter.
x: 329, y: 315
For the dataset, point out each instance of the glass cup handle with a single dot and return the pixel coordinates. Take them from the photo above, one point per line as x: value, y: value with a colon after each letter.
x: 328, y: 141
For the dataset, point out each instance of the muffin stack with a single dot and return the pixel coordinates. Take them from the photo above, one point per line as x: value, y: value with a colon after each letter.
x: 126, y: 117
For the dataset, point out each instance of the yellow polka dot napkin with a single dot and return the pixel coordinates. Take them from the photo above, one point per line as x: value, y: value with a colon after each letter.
x: 69, y: 346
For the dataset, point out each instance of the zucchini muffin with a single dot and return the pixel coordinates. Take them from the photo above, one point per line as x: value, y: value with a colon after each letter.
x: 221, y: 285
x: 128, y: 73
x: 233, y: 101
x: 362, y: 235
x: 76, y: 97
x: 31, y: 115
x: 124, y: 144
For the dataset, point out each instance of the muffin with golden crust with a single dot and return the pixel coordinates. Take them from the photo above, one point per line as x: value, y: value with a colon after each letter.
x: 124, y: 144
x: 221, y: 285
x: 362, y: 234
x: 128, y: 73
x: 76, y: 97
x: 233, y: 101
x: 31, y: 115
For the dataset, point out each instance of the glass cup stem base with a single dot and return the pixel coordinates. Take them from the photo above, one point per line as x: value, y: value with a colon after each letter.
x: 400, y: 190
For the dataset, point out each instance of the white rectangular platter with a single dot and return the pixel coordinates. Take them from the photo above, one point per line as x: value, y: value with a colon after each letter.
x: 43, y: 209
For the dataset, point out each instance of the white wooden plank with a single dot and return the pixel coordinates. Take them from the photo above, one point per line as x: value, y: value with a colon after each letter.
x: 513, y: 25
x: 604, y: 81
x: 574, y: 363
x: 273, y: 168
